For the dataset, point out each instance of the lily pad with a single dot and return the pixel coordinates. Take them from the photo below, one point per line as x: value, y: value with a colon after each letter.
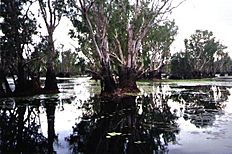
x: 114, y: 134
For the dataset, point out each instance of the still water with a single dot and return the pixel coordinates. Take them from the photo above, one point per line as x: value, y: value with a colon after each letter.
x: 165, y: 118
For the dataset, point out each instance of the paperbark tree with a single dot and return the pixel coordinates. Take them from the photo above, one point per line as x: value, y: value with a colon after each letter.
x: 202, y: 58
x: 202, y: 48
x: 112, y: 34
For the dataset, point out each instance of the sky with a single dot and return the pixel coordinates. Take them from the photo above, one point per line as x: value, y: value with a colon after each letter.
x: 212, y: 15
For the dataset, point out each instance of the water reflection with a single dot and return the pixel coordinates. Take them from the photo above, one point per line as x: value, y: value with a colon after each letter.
x: 19, y: 128
x: 50, y: 107
x: 201, y: 103
x: 119, y: 126
x: 149, y: 123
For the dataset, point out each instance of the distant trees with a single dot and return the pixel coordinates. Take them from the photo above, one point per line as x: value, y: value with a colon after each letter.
x: 180, y: 67
x: 70, y: 63
x: 223, y: 63
x: 201, y: 54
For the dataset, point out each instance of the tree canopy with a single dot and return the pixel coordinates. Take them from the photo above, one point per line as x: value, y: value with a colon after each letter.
x: 18, y: 26
x: 202, y: 51
x: 119, y: 37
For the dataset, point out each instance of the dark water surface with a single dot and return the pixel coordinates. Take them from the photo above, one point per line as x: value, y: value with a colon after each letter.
x: 165, y: 118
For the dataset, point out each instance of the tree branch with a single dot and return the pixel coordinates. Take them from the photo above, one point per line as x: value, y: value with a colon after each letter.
x: 50, y: 12
x: 93, y: 37
x: 44, y: 13
x: 116, y: 57
x: 119, y: 47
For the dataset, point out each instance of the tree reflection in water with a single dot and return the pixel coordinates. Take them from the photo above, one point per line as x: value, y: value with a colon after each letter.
x: 129, y: 125
x: 201, y: 103
x: 20, y: 128
x: 50, y: 112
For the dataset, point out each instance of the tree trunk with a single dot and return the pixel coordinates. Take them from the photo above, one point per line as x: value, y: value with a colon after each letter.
x: 24, y: 86
x: 154, y: 74
x: 51, y: 83
x: 21, y: 83
x: 4, y: 82
x: 127, y: 79
x: 2, y: 91
x: 108, y: 84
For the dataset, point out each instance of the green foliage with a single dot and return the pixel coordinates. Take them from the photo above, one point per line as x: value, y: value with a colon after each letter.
x: 157, y: 43
x: 200, y: 58
x: 116, y: 16
x: 223, y: 64
x: 18, y: 27
x: 70, y: 63
x: 180, y: 67
x: 202, y: 48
